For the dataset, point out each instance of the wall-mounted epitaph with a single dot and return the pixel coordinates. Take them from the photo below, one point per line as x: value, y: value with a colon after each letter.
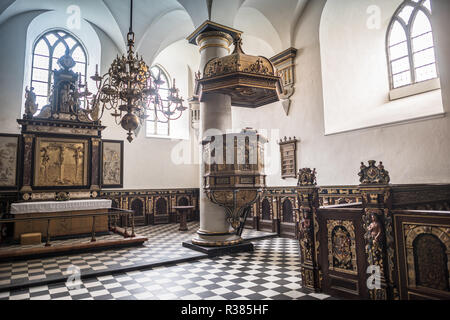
x: 112, y: 164
x: 288, y: 150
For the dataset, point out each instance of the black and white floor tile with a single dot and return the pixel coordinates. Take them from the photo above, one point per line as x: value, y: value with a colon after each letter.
x: 164, y: 245
x: 271, y: 272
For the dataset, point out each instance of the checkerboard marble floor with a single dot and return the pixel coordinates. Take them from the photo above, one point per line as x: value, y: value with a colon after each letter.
x: 164, y: 245
x: 271, y: 272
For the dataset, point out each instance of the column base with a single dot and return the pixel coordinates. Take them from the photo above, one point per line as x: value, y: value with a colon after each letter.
x: 206, y: 239
x: 220, y: 251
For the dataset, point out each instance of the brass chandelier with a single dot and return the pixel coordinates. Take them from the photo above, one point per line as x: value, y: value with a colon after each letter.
x: 129, y: 89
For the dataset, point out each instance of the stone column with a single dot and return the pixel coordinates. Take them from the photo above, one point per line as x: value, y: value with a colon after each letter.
x: 215, y: 113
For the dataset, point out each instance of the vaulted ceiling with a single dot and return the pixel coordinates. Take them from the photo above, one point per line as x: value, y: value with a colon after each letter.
x: 158, y: 23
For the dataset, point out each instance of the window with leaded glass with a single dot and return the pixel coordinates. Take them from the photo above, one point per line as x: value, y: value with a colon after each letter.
x: 410, y: 44
x: 157, y: 123
x: 47, y: 50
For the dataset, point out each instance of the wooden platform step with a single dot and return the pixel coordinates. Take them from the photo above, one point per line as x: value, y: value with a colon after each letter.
x: 43, y: 251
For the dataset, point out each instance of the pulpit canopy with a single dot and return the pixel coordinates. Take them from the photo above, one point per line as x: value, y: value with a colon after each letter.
x: 251, y: 81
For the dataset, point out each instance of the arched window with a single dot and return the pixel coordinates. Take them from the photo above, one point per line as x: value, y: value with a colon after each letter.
x: 157, y: 123
x: 46, y: 51
x: 410, y: 44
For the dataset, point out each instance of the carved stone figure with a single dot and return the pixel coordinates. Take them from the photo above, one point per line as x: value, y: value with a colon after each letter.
x: 30, y: 103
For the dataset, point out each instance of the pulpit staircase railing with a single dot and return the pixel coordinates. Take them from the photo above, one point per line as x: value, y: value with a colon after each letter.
x: 243, y: 220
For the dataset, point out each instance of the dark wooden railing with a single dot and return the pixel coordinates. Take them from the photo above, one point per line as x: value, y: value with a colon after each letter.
x: 114, y: 215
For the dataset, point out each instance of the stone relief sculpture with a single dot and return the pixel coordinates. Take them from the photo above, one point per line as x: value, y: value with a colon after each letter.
x: 30, y: 103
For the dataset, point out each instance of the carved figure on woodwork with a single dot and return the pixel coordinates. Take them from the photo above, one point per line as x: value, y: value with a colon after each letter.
x: 374, y: 228
x: 305, y: 236
x: 373, y: 174
x: 375, y: 248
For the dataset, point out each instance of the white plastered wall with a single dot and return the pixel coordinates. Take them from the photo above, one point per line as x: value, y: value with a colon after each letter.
x: 159, y: 163
x: 415, y: 152
x: 355, y: 72
x: 149, y: 163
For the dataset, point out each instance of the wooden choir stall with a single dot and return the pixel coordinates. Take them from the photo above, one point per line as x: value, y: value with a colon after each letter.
x: 394, y: 244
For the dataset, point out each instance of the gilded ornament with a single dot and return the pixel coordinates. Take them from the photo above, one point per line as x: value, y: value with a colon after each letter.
x: 307, y: 177
x: 373, y: 174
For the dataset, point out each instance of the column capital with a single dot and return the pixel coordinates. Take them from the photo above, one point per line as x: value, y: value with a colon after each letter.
x: 214, y: 39
x: 209, y: 26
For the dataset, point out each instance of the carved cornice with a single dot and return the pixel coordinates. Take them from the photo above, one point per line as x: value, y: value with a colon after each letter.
x: 208, y: 27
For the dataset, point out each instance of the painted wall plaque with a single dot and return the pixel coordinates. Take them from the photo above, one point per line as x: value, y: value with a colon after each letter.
x: 9, y: 146
x: 112, y: 164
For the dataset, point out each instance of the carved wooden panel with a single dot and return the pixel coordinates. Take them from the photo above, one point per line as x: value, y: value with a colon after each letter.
x: 423, y: 250
x: 430, y: 261
x: 342, y: 252
x: 266, y: 213
x: 342, y: 246
x: 156, y: 203
x: 138, y: 206
x: 288, y: 213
